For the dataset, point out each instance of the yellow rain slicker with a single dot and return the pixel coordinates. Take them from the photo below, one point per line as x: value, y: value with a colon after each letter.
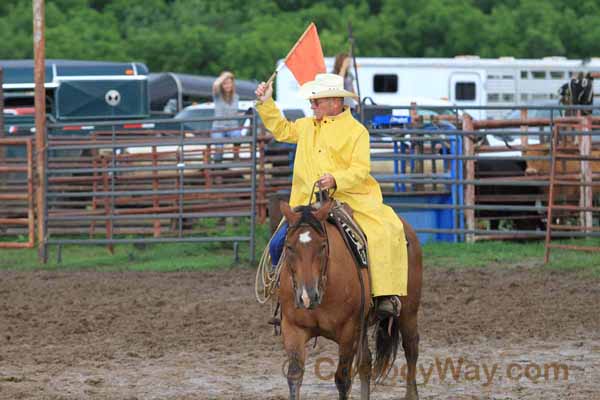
x: 340, y: 146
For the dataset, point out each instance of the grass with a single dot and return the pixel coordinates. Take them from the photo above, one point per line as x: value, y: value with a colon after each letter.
x: 199, y: 256
x: 151, y: 257
x: 482, y: 254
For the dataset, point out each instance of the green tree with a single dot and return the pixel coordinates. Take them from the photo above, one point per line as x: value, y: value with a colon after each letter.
x: 83, y: 34
x: 248, y: 37
x: 15, y: 29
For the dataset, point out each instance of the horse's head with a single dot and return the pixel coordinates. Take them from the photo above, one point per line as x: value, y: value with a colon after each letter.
x: 307, y: 252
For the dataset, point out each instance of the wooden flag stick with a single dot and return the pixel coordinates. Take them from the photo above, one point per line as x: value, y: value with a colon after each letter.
x: 274, y: 74
x: 272, y: 78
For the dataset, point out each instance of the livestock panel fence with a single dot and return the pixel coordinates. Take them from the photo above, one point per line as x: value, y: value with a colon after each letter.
x: 452, y: 177
x: 16, y: 192
x: 493, y: 176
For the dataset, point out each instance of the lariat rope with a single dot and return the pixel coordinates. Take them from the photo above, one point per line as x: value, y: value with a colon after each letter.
x: 267, y: 276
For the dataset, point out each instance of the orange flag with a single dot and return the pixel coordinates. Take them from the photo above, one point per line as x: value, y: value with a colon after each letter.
x: 305, y: 60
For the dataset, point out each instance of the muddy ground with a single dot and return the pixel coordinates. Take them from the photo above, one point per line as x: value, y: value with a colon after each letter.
x: 520, y: 333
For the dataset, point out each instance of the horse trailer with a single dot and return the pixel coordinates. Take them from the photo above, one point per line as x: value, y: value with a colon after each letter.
x: 462, y: 81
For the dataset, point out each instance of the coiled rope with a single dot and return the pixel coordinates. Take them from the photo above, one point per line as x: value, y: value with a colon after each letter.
x: 267, y: 277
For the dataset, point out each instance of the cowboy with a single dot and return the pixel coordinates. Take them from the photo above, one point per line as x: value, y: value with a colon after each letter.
x: 333, y: 149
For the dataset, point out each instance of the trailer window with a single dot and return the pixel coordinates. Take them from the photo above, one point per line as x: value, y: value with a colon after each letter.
x: 508, y: 97
x: 465, y: 91
x: 387, y: 83
x: 523, y: 74
x: 493, y: 97
x: 557, y: 74
x: 538, y: 74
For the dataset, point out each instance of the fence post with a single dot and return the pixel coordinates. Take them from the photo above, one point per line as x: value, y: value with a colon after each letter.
x: 94, y: 187
x: 108, y: 206
x: 418, y: 147
x: 469, y: 151
x: 414, y: 116
x: 253, y: 207
x: 40, y: 123
x: 262, y: 206
x: 585, y: 192
x: 155, y: 203
x: 30, y: 212
x: 525, y: 129
x: 207, y: 171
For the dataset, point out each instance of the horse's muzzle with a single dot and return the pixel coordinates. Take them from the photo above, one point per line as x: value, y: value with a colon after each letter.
x: 307, y: 297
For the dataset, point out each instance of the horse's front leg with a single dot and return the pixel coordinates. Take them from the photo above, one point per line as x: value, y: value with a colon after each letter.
x: 347, y: 348
x: 294, y: 340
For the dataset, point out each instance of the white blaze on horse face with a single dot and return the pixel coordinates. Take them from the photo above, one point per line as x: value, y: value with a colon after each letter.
x: 305, y: 298
x: 305, y: 237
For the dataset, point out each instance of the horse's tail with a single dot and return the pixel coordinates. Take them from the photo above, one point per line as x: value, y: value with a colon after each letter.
x: 387, y: 339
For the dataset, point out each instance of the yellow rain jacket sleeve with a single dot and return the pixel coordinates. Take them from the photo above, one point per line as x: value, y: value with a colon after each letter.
x: 281, y: 128
x: 340, y: 146
x: 357, y: 173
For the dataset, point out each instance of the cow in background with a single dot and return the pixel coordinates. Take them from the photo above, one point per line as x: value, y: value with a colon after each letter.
x: 579, y: 91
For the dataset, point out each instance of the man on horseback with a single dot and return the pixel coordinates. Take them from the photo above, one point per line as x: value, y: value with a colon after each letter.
x: 333, y: 148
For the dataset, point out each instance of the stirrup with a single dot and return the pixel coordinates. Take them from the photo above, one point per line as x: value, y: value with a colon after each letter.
x: 389, y: 306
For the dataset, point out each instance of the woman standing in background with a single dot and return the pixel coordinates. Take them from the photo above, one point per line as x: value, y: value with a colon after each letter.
x: 226, y: 106
x: 341, y: 67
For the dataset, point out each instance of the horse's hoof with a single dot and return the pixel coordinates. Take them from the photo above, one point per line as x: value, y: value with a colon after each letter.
x: 411, y: 393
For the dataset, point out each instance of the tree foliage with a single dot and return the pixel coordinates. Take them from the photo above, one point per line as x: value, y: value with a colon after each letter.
x: 248, y: 37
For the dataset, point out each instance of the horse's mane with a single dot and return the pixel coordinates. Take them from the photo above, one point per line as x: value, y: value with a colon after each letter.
x: 307, y: 218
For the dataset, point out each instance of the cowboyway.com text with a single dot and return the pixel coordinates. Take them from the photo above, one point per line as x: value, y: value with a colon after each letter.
x: 461, y: 370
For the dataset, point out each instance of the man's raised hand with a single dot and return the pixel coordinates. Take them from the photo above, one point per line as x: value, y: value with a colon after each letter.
x: 264, y: 92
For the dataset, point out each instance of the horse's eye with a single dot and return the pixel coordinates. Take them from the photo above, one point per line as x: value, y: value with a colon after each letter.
x: 288, y: 247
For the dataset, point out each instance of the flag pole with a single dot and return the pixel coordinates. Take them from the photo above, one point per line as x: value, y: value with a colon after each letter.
x: 274, y: 74
x: 351, y: 40
x: 272, y: 78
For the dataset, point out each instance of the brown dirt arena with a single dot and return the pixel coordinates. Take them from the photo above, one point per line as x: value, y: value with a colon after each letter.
x: 201, y: 335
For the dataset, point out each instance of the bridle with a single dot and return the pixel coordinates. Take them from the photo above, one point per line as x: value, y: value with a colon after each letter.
x: 325, y: 254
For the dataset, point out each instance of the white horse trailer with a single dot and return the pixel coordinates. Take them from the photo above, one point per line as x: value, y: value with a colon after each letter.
x: 462, y: 81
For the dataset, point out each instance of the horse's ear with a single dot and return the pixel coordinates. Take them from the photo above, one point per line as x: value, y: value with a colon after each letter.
x: 287, y: 212
x: 322, y: 213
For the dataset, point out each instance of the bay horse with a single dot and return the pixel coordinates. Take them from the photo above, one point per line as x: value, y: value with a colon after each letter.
x: 321, y: 295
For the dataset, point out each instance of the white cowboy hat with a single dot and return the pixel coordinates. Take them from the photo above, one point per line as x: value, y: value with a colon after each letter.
x: 325, y: 85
